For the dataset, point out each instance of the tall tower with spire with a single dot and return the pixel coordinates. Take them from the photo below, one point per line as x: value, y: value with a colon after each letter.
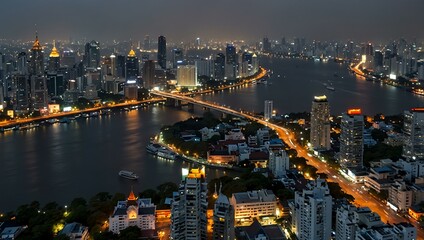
x: 39, y: 97
x: 54, y: 59
x: 36, y: 58
x: 131, y: 66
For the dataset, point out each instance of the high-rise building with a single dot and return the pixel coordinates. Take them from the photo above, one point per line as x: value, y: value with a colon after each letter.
x: 146, y: 43
x: 22, y: 64
x: 21, y: 99
x: 266, y: 45
x: 148, y: 74
x: 188, y: 207
x: 39, y: 96
x: 204, y: 67
x: 92, y: 54
x: 312, y: 212
x: 68, y: 59
x: 278, y: 163
x: 162, y: 52
x: 255, y: 64
x: 413, y: 129
x: 219, y: 67
x: 187, y: 76
x: 268, y: 110
x: 37, y: 58
x: 177, y: 57
x: 231, y: 62
x: 351, y: 139
x: 54, y: 59
x: 133, y: 212
x: 223, y: 219
x: 131, y: 67
x: 320, y: 123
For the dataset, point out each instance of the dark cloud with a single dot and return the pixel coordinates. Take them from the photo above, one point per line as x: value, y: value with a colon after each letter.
x: 219, y: 19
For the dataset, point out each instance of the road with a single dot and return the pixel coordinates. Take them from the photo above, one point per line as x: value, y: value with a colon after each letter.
x: 362, y: 198
x: 64, y: 114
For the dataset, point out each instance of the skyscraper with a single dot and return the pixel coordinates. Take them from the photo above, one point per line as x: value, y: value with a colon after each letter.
x: 351, y: 139
x: 162, y: 52
x: 312, y: 212
x: 92, y: 54
x: 266, y: 45
x: 223, y: 219
x: 320, y: 123
x: 54, y: 59
x: 189, y: 205
x: 146, y: 43
x: 177, y: 57
x: 148, y: 74
x: 131, y: 66
x: 231, y: 62
x: 38, y: 80
x: 219, y: 67
x: 37, y: 58
x: 413, y: 129
x: 268, y: 109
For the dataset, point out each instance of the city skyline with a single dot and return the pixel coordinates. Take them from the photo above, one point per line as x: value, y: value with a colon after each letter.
x: 323, y: 20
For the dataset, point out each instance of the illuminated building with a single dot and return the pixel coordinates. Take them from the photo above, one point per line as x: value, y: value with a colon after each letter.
x: 133, y: 212
x: 255, y: 64
x: 38, y: 81
x: 131, y: 66
x: 268, y: 109
x: 92, y: 54
x: 223, y: 219
x: 36, y: 58
x: 351, y: 139
x: 312, y: 212
x: 54, y: 59
x: 177, y: 57
x: 253, y: 204
x: 231, y: 62
x: 162, y: 52
x: 187, y: 76
x: 320, y: 123
x: 413, y: 129
x: 21, y: 100
x: 219, y: 67
x: 131, y: 91
x: 189, y: 205
x: 204, y: 67
x: 278, y: 163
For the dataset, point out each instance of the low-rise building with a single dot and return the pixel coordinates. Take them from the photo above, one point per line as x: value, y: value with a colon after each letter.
x: 133, y: 212
x: 75, y: 231
x: 258, y: 232
x: 253, y: 204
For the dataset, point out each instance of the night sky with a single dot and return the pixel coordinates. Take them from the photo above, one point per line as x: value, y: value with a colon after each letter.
x: 182, y: 20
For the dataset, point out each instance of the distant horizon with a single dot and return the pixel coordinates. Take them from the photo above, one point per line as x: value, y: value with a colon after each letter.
x: 325, y: 20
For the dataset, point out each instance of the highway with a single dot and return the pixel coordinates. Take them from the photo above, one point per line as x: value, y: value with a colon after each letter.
x: 362, y: 198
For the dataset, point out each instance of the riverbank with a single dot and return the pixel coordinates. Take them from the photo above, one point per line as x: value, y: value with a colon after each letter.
x: 13, y: 123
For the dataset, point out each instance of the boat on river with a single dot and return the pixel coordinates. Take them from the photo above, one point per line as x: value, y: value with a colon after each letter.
x: 128, y: 175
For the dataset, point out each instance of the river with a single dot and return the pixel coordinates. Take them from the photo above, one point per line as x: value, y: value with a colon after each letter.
x: 64, y: 161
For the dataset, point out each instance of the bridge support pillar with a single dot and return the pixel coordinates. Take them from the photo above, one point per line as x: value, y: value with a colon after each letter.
x: 190, y: 107
x: 223, y: 115
x: 206, y: 109
x: 177, y: 104
x: 170, y: 102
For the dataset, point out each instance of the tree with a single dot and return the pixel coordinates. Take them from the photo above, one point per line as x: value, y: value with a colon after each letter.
x: 130, y: 233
